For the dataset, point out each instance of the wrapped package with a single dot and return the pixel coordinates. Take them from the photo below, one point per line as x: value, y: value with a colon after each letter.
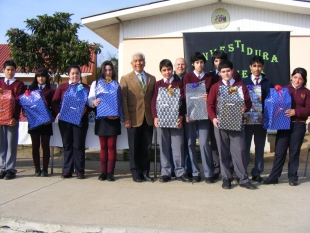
x: 255, y: 115
x: 73, y: 104
x: 109, y: 93
x: 230, y: 104
x: 196, y: 106
x: 276, y: 103
x: 168, y: 105
x: 36, y: 109
x: 7, y: 106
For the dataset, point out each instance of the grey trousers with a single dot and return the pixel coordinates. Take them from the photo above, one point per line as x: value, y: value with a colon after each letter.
x: 8, y: 147
x: 260, y: 135
x: 202, y: 130
x: 231, y: 147
x: 171, y: 140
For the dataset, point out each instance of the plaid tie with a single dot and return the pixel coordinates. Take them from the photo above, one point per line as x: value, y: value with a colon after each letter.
x: 228, y: 83
x: 142, y: 83
x: 8, y: 82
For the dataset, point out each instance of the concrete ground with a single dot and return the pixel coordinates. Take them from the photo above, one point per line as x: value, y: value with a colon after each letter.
x: 53, y: 204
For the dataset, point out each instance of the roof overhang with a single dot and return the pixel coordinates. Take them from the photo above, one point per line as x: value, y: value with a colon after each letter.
x: 107, y: 24
x: 31, y: 75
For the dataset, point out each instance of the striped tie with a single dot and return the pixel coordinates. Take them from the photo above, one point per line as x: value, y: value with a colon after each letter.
x: 142, y: 83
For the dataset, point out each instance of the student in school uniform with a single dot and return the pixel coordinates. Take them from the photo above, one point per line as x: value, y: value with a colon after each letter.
x: 257, y: 78
x: 200, y: 128
x: 292, y: 138
x: 217, y: 57
x: 231, y: 144
x: 73, y: 136
x: 41, y: 135
x: 171, y: 139
x: 9, y: 133
x: 108, y: 128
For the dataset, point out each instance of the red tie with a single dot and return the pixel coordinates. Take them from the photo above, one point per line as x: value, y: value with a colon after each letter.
x: 228, y: 83
x: 256, y: 81
x: 8, y: 82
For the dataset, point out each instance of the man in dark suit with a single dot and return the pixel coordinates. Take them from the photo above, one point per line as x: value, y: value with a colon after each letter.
x: 137, y: 91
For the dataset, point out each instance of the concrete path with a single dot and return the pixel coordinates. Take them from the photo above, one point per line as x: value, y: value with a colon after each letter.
x: 53, y: 204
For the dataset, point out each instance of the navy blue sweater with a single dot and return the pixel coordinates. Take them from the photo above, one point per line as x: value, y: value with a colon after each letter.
x: 265, y: 85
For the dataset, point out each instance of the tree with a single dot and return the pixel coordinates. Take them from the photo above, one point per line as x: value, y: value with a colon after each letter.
x: 52, y: 43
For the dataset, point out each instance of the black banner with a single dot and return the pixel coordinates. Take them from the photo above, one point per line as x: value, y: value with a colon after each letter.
x: 240, y: 47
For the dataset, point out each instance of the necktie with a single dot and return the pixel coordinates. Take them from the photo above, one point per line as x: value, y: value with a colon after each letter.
x: 142, y: 83
x: 41, y: 87
x: 228, y: 83
x: 8, y: 82
x: 256, y: 81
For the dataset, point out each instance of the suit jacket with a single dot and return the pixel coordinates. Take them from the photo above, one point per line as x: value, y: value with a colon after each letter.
x: 137, y: 105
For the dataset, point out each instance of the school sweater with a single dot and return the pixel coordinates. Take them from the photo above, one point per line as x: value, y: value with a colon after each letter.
x: 213, y: 95
x: 17, y: 89
x: 300, y: 102
x: 59, y: 94
x: 216, y: 77
x: 175, y: 83
x: 265, y: 86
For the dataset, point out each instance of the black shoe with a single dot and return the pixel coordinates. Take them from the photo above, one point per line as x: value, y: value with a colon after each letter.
x: 2, y: 174
x: 164, y: 179
x: 44, y: 173
x: 66, y: 175
x: 293, y: 183
x: 248, y: 185
x: 173, y: 174
x: 110, y: 177
x: 269, y: 181
x: 146, y: 177
x: 38, y: 172
x: 80, y: 176
x: 103, y: 176
x: 9, y: 175
x: 226, y: 184
x: 190, y: 175
x: 196, y: 179
x: 216, y: 176
x: 138, y: 180
x: 184, y: 178
x: 258, y: 179
x: 209, y: 180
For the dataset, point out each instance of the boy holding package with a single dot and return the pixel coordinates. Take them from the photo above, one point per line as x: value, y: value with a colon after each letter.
x: 168, y: 116
x: 9, y: 130
x: 257, y: 78
x: 230, y: 143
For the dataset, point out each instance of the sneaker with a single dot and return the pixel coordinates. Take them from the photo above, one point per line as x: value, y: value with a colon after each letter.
x: 9, y: 175
x: 103, y: 176
x: 110, y: 177
x: 37, y: 172
x: 44, y: 173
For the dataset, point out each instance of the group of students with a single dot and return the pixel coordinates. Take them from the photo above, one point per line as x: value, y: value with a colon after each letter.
x: 222, y: 151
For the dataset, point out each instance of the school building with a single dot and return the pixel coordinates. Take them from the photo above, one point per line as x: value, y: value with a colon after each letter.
x: 157, y: 28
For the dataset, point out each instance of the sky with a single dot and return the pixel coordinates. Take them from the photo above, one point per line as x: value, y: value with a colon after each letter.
x: 15, y: 12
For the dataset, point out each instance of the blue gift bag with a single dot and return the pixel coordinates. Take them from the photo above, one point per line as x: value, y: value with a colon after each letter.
x: 73, y: 104
x: 110, y: 99
x: 36, y: 109
x: 276, y: 103
x: 255, y: 115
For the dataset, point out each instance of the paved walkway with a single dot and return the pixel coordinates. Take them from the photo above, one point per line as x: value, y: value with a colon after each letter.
x: 53, y: 204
